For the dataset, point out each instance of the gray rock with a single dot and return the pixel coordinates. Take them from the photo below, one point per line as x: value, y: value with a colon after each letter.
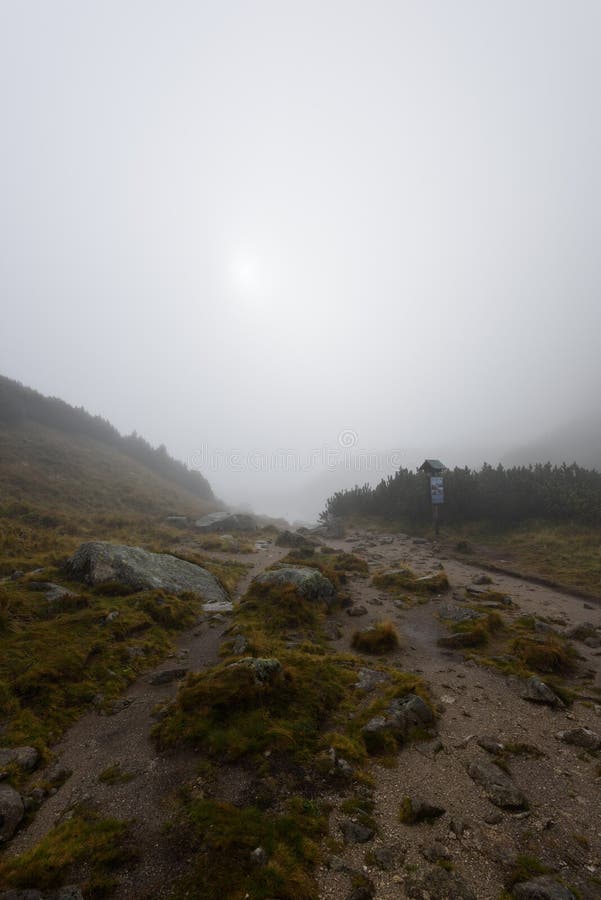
x: 401, y: 716
x: 498, y: 786
x: 438, y: 884
x: 580, y: 737
x: 264, y: 671
x: 259, y: 856
x: 166, y: 676
x: 23, y: 757
x: 97, y: 562
x: 356, y: 611
x: 310, y: 583
x: 541, y: 888
x: 294, y: 539
x: 491, y: 744
x: 57, y: 774
x: 12, y: 811
x: 536, y: 691
x: 388, y: 856
x: 436, y: 852
x: 240, y: 645
x: 481, y: 579
x: 593, y: 641
x: 415, y: 810
x: 224, y: 521
x: 543, y: 628
x: 355, y: 832
x: 370, y: 679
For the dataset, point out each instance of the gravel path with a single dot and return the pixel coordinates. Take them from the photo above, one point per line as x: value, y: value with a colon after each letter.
x: 563, y: 824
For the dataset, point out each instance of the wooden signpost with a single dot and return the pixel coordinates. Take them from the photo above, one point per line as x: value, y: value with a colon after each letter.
x: 434, y: 468
x: 436, y: 496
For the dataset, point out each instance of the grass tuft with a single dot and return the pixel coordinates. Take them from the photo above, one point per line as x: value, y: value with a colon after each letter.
x: 379, y: 638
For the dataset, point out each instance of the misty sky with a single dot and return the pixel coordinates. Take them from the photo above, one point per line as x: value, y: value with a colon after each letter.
x: 258, y: 225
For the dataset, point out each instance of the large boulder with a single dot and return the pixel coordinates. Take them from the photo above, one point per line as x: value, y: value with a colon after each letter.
x: 97, y: 562
x: 22, y: 757
x: 536, y: 691
x: 497, y: 785
x: 223, y: 522
x: 309, y: 583
x: 400, y: 718
x: 11, y: 811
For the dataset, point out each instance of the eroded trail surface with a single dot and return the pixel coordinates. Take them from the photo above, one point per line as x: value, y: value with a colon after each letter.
x: 98, y: 742
x: 474, y: 839
x: 472, y: 844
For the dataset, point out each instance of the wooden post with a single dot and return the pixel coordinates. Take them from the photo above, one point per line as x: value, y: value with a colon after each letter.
x: 435, y: 514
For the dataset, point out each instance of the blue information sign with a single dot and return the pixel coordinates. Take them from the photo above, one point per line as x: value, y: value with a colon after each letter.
x: 436, y: 489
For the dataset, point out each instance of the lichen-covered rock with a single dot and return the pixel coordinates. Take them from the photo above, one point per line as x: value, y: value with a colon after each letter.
x: 264, y: 671
x: 97, y: 562
x: 536, y: 691
x: 498, y: 786
x: 23, y: 757
x: 12, y: 811
x: 580, y: 737
x: 310, y: 583
x: 400, y: 718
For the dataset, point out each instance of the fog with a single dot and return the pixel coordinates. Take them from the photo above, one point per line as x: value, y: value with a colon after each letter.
x: 303, y: 243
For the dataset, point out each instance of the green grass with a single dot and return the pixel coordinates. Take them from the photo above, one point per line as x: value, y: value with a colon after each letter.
x: 86, y: 848
x: 283, y: 729
x: 568, y: 555
x: 55, y: 663
x: 228, y: 835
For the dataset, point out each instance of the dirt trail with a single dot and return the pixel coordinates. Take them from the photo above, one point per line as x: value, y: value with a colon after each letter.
x: 564, y: 821
x: 565, y: 815
x: 97, y: 742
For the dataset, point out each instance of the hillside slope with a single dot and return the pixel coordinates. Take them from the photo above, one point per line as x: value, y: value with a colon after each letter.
x: 66, y: 475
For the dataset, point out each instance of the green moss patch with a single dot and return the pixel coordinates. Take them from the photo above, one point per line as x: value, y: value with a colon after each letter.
x: 250, y: 853
x: 85, y: 848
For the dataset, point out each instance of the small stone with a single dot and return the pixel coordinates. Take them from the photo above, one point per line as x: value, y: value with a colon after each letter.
x: 259, y: 856
x: 498, y: 786
x: 168, y: 675
x: 355, y: 832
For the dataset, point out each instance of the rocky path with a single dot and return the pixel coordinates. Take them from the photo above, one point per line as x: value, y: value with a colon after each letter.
x: 474, y: 841
x: 97, y: 742
x: 470, y: 846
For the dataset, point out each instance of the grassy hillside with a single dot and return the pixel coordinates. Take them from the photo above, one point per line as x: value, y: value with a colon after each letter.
x: 59, y: 489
